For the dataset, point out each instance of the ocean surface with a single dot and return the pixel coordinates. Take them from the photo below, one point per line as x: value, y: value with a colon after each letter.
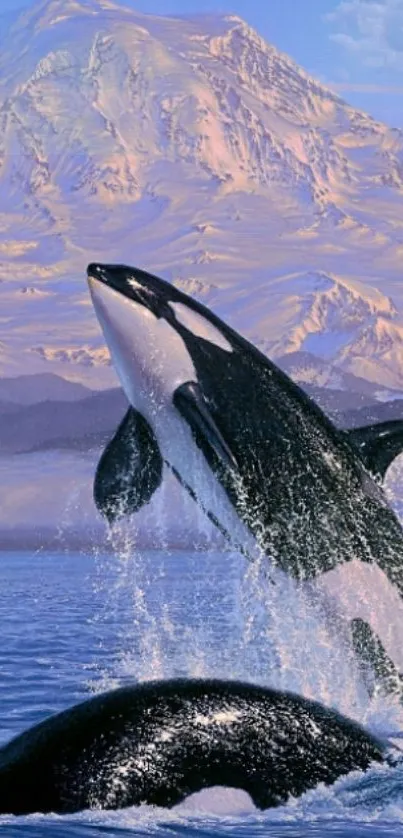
x: 72, y: 625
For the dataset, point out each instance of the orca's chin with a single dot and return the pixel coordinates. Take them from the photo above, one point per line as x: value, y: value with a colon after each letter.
x: 105, y: 275
x: 95, y: 272
x: 148, y: 354
x: 134, y: 285
x: 97, y: 276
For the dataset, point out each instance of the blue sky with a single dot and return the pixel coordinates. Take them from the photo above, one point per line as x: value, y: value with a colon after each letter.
x: 355, y: 45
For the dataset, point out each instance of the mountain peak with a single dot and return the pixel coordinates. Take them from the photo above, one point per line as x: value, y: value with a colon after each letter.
x: 48, y: 13
x: 191, y: 147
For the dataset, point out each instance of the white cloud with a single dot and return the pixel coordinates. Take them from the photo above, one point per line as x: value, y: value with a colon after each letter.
x: 371, y: 30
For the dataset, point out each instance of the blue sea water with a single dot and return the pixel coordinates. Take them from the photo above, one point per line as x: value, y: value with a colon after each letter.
x: 72, y: 625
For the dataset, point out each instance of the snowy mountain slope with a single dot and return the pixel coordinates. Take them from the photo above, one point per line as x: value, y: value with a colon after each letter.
x: 308, y: 370
x: 191, y: 147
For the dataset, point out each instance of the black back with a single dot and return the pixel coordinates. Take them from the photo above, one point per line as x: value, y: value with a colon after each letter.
x: 158, y: 742
x: 300, y: 486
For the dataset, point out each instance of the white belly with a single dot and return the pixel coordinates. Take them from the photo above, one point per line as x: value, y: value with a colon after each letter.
x: 152, y: 361
x: 179, y: 449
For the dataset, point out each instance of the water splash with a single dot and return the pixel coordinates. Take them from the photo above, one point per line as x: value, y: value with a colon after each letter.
x: 163, y: 606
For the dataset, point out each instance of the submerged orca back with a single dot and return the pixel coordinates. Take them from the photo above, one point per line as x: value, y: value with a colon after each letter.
x: 159, y: 742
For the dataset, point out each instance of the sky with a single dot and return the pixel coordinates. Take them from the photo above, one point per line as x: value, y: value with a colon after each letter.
x: 354, y: 46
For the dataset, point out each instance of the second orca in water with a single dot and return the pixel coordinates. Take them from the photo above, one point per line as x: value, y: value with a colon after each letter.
x: 254, y: 451
x: 159, y: 742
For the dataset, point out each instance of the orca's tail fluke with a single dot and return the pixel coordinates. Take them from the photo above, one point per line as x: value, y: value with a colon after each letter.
x: 378, y: 669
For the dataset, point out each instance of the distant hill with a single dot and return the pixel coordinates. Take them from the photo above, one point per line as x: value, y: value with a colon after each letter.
x: 337, y: 403
x: 47, y: 412
x: 381, y: 412
x: 88, y: 423
x: 33, y: 389
x: 57, y: 424
x: 48, y: 455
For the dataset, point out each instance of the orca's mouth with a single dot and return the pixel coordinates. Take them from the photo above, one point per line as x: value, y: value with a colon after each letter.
x: 136, y: 285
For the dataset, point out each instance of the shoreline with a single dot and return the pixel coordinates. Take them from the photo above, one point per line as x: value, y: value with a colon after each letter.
x: 48, y: 540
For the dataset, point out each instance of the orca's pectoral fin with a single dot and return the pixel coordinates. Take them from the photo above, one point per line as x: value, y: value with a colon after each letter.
x: 130, y: 469
x: 378, y: 445
x: 189, y: 400
x: 373, y: 660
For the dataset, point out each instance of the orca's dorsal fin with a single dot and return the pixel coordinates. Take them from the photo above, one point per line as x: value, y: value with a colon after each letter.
x: 189, y: 400
x: 373, y: 659
x: 378, y: 445
x: 130, y: 468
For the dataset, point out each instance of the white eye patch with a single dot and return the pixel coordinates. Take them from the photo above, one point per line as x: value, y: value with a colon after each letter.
x: 199, y: 325
x: 135, y: 284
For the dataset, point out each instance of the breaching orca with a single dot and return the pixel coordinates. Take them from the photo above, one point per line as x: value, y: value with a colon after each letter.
x: 159, y: 742
x: 257, y: 454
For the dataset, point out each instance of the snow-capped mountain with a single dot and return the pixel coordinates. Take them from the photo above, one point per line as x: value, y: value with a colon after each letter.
x: 339, y: 319
x: 310, y: 370
x: 191, y: 147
